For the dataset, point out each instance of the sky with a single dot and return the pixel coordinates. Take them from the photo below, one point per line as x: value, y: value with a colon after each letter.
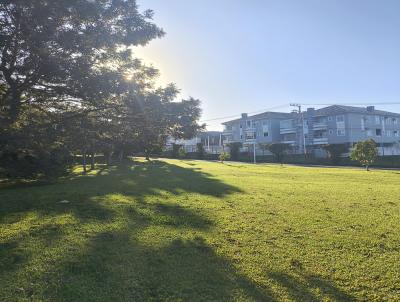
x: 254, y: 55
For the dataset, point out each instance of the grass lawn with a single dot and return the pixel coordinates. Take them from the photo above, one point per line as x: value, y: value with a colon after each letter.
x: 202, y: 231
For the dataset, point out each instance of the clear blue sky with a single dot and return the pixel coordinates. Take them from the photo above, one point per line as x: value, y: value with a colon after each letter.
x: 243, y: 56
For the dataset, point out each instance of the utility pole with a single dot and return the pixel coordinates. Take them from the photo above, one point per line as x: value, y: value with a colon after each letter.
x: 302, y: 126
x: 254, y: 152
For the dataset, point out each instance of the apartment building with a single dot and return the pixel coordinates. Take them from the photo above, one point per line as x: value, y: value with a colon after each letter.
x: 211, y: 141
x: 340, y: 124
x: 254, y: 130
x: 309, y: 130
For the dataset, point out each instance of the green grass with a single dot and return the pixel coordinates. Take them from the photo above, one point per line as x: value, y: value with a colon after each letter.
x: 202, y: 231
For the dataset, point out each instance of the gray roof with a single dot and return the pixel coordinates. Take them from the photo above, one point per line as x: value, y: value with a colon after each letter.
x: 340, y: 109
x: 268, y: 114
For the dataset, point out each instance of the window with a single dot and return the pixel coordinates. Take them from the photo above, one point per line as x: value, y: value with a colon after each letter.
x: 251, y: 135
x: 377, y: 119
x: 363, y: 123
x: 340, y: 118
x: 369, y: 132
x: 241, y: 136
x: 396, y: 133
x: 341, y: 132
x: 266, y: 134
x: 241, y: 126
x: 330, y: 132
x: 330, y: 118
x: 248, y: 123
x: 394, y: 121
x: 388, y: 133
x: 378, y: 132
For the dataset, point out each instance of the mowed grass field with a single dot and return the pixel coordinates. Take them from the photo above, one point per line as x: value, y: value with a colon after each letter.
x: 176, y: 230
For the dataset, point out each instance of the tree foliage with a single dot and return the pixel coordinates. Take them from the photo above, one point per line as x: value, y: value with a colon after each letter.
x: 69, y: 81
x: 234, y: 149
x: 200, y: 150
x: 335, y: 151
x: 224, y: 156
x: 278, y: 150
x: 365, y: 152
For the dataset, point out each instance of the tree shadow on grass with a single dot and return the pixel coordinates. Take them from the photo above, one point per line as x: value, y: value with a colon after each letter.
x: 113, y: 251
x: 135, y: 180
x: 301, y: 286
x: 126, y: 270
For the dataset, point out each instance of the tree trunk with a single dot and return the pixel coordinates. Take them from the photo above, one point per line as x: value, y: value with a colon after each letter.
x: 84, y: 161
x: 121, y: 156
x: 147, y: 153
x: 109, y: 158
x: 92, y: 161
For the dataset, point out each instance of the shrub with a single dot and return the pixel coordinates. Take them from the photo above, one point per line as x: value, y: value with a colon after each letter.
x: 365, y: 153
x: 234, y: 149
x: 224, y: 156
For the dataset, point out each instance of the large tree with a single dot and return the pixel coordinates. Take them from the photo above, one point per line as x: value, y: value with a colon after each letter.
x: 53, y: 51
x: 67, y: 69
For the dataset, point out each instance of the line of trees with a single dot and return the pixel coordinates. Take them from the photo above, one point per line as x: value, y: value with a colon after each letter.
x: 69, y: 84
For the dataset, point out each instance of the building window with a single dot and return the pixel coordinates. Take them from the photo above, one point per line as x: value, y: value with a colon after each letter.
x: 330, y: 118
x: 241, y: 136
x: 251, y: 135
x: 341, y: 132
x: 241, y: 126
x: 330, y: 132
x: 340, y: 118
x: 394, y: 121
x: 378, y: 132
x: 388, y: 133
x: 248, y: 123
x: 396, y: 133
x: 377, y: 119
x: 369, y: 132
x: 363, y: 123
x: 266, y: 134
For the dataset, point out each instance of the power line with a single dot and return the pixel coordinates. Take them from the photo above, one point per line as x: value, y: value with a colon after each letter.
x: 253, y: 112
x: 306, y: 104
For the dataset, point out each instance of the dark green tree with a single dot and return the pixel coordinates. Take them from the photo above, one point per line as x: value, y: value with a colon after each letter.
x: 234, y: 149
x: 335, y: 151
x: 52, y: 51
x: 279, y: 150
x: 200, y: 150
x: 365, y: 152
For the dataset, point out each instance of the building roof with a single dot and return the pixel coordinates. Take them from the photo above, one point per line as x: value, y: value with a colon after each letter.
x: 268, y: 114
x: 339, y: 109
x: 209, y: 133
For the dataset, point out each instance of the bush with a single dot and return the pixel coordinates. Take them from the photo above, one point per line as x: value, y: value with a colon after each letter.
x: 200, y: 150
x: 234, y: 150
x: 175, y: 150
x: 224, y: 156
x: 181, y: 153
x: 27, y: 164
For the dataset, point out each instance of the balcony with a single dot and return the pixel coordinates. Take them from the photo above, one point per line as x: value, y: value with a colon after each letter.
x: 227, y: 132
x: 289, y: 142
x: 288, y: 130
x: 320, y: 126
x: 249, y: 130
x: 320, y: 141
x: 288, y: 126
x: 250, y: 139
